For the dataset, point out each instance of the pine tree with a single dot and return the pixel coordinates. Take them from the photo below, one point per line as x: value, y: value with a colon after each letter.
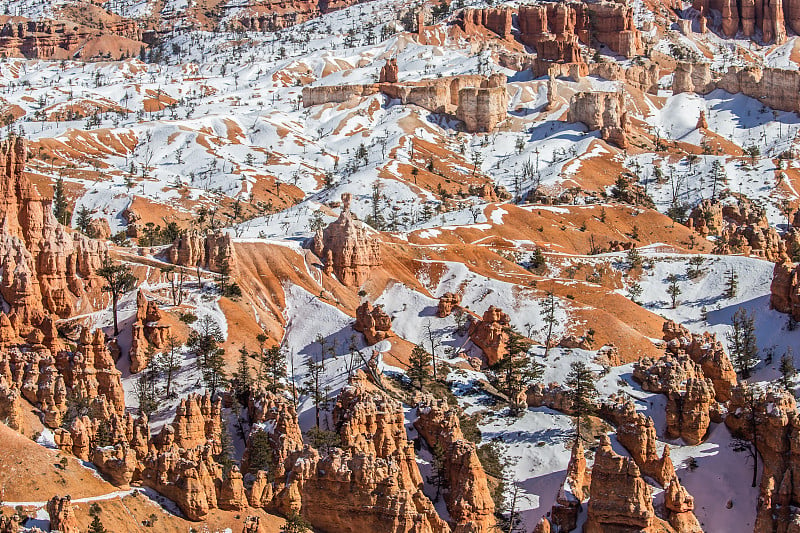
x: 548, y: 312
x: 517, y: 370
x: 673, y: 290
x: 97, y: 526
x: 419, y: 363
x: 582, y: 392
x: 242, y: 381
x: 744, y: 441
x: 731, y: 283
x: 695, y: 264
x: 214, y: 375
x: 634, y: 292
x: 787, y: 368
x: 312, y: 386
x: 119, y: 280
x: 60, y: 204
x: 84, y: 220
x: 295, y: 524
x: 742, y: 343
x: 168, y: 362
x: 259, y: 452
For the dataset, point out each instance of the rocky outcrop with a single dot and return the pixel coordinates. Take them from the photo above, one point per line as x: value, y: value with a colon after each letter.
x: 197, y: 422
x: 447, y: 303
x: 62, y: 517
x: 774, y: 417
x: 468, y: 498
x: 210, y: 251
x: 705, y: 350
x: 773, y: 87
x: 680, y: 505
x: 44, y: 267
x: 765, y: 17
x: 619, y: 498
x: 604, y: 111
x: 567, y: 507
x: 688, y: 410
x: 62, y: 39
x: 371, y: 484
x: 480, y: 102
x: 785, y: 289
x: 373, y: 322
x: 389, y: 72
x: 496, y: 20
x: 637, y: 433
x: 489, y: 334
x: 346, y: 248
x: 692, y: 78
x: 147, y: 336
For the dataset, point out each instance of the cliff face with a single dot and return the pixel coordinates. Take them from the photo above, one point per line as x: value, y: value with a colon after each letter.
x: 469, y: 501
x: 346, y: 248
x: 205, y: 250
x: 489, y: 334
x: 44, y: 267
x: 146, y: 334
x: 770, y: 18
x: 620, y: 499
x: 785, y: 289
x: 59, y: 39
x: 478, y: 101
x: 371, y: 483
x: 602, y: 111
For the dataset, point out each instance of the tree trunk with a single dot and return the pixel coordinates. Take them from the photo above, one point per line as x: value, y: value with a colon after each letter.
x: 114, y: 311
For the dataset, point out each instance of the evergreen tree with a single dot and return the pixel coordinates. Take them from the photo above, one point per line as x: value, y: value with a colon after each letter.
x: 673, y: 290
x: 312, y: 386
x: 225, y: 457
x: 205, y: 340
x: 744, y: 440
x: 787, y: 368
x: 582, y: 392
x: 97, y: 526
x: 419, y: 364
x: 273, y: 363
x: 731, y: 283
x: 119, y: 280
x: 548, y: 312
x: 742, y: 343
x: 145, y: 389
x: 259, y: 452
x: 695, y: 264
x: 60, y: 204
x: 517, y: 370
x: 295, y: 524
x: 242, y: 382
x: 634, y: 292
x: 168, y: 362
x: 214, y: 375
x: 83, y: 220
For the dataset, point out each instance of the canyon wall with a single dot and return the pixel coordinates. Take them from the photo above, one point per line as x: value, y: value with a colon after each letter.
x: 480, y: 102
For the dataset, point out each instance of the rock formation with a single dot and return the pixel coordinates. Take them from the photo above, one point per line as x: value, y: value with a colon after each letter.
x: 692, y: 78
x: 62, y: 517
x: 371, y: 484
x: 373, y: 322
x: 480, y: 102
x: 705, y: 350
x: 469, y: 500
x: 45, y: 268
x: 210, y: 251
x: 346, y: 248
x: 688, y: 411
x: 602, y: 111
x: 147, y: 336
x: 389, y: 72
x: 565, y: 511
x: 764, y: 16
x: 785, y: 289
x: 496, y: 20
x: 619, y: 498
x: 637, y: 433
x: 680, y: 505
x: 447, y: 303
x: 61, y: 39
x: 489, y: 334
